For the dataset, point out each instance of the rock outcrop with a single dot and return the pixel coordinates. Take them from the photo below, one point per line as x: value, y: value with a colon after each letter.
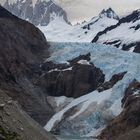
x: 109, y: 84
x: 129, y: 119
x: 74, y: 80
x: 131, y: 135
x: 109, y: 13
x: 15, y: 124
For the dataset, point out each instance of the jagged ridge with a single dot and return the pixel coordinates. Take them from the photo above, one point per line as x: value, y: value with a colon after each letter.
x: 118, y: 40
x: 39, y: 14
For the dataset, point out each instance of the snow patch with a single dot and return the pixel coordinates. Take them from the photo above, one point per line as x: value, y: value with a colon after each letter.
x: 68, y: 69
x: 83, y: 62
x: 136, y: 93
x: 60, y: 100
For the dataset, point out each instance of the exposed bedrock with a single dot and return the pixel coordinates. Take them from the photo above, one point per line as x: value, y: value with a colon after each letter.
x: 128, y: 121
x: 74, y: 80
x: 15, y: 124
x: 109, y: 84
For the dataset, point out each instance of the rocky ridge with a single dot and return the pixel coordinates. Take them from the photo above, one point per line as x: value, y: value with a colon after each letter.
x: 40, y: 13
x: 74, y: 80
x: 123, y: 35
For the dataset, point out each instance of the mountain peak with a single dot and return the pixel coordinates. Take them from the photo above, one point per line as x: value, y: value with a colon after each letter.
x: 39, y: 13
x: 109, y: 13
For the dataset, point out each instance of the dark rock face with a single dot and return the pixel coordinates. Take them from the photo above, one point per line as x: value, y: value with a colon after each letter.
x: 5, y: 14
x: 39, y: 14
x: 21, y: 50
x: 15, y: 124
x: 131, y: 135
x: 129, y: 119
x: 74, y: 80
x: 125, y: 47
x: 109, y: 84
x: 134, y: 88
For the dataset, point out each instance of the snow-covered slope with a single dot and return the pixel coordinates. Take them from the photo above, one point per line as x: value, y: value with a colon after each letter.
x: 58, y: 30
x: 125, y: 35
x: 89, y: 114
x: 53, y: 22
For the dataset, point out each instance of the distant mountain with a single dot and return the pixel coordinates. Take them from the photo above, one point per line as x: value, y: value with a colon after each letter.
x: 52, y: 20
x: 106, y: 28
x: 40, y: 13
x: 58, y: 30
x: 124, y: 35
x: 109, y: 13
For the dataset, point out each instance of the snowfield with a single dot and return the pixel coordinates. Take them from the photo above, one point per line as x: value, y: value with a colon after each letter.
x: 95, y: 108
x: 125, y: 33
x: 59, y: 31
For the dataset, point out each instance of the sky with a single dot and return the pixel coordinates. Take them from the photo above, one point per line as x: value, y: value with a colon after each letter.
x: 86, y: 9
x: 79, y: 10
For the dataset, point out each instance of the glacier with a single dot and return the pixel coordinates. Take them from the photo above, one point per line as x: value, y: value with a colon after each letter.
x: 109, y: 59
x: 94, y: 110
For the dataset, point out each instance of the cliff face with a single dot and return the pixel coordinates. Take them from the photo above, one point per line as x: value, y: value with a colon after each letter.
x: 22, y: 46
x: 73, y: 80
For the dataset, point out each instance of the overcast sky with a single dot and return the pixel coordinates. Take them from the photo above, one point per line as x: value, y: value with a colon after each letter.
x: 79, y: 10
